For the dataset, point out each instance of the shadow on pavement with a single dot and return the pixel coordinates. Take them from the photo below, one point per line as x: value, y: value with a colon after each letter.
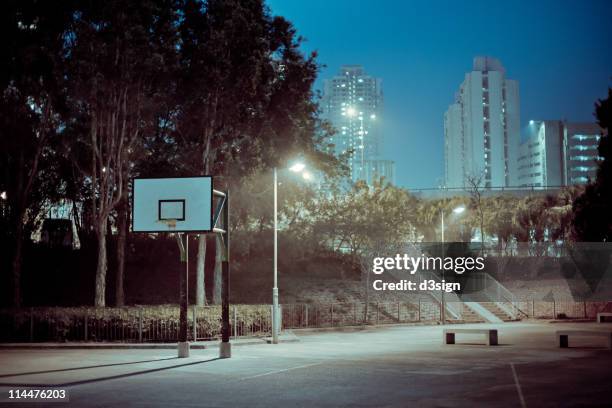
x: 112, y: 377
x: 86, y: 367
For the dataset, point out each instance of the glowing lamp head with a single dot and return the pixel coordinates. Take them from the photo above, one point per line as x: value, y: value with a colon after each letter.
x: 459, y: 210
x: 297, y: 167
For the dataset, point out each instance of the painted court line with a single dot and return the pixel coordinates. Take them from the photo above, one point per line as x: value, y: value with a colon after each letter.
x: 281, y: 371
x: 518, y: 386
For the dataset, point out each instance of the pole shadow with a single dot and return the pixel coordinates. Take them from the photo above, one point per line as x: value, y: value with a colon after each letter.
x: 108, y: 378
x: 85, y: 367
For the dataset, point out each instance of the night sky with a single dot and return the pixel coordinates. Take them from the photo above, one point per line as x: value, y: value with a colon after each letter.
x: 559, y: 51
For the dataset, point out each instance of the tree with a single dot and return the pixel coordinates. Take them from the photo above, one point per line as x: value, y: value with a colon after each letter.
x: 246, y: 99
x: 366, y: 222
x: 31, y: 107
x: 592, y: 221
x: 475, y: 189
x: 116, y: 54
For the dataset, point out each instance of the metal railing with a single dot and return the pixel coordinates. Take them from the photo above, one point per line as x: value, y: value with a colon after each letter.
x: 484, y: 288
x: 160, y: 324
x: 129, y: 324
x: 454, y: 305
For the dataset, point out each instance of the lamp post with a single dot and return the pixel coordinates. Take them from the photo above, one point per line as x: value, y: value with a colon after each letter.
x: 457, y: 210
x: 298, y: 168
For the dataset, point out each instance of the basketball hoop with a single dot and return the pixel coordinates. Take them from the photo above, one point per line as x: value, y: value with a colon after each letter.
x: 182, y: 204
x: 170, y: 223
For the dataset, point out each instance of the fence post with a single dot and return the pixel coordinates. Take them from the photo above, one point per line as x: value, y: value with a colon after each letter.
x: 85, y: 325
x: 398, y: 312
x: 419, y: 315
x: 554, y: 310
x: 533, y: 308
x: 585, y: 312
x: 140, y: 325
x: 355, y: 313
x: 306, y: 315
x: 195, y: 324
x: 332, y: 315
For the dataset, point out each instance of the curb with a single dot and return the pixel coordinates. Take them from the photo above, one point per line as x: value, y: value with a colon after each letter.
x: 363, y: 327
x: 131, y: 346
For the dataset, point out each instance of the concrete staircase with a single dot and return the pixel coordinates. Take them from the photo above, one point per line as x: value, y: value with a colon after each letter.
x: 470, y: 316
x: 494, y: 308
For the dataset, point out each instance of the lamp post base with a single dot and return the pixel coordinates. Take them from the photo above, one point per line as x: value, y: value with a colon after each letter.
x: 275, y: 319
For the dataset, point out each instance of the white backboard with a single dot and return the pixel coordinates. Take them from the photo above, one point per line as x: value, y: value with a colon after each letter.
x: 182, y: 204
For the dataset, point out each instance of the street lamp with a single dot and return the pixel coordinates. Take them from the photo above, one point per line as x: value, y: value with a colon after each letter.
x: 459, y: 210
x: 456, y: 210
x: 296, y: 168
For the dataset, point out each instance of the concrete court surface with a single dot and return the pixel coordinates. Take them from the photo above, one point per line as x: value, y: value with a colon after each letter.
x: 395, y: 366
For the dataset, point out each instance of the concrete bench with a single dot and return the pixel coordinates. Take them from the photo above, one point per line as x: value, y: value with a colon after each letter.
x: 563, y: 336
x: 601, y: 316
x: 490, y: 335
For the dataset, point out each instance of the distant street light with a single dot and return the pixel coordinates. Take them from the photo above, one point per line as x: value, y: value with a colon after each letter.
x: 296, y: 168
x: 3, y: 195
x: 459, y: 210
x: 456, y: 210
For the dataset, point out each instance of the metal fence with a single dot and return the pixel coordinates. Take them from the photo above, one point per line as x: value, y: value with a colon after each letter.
x: 315, y: 315
x: 161, y: 323
x: 129, y: 324
x: 356, y: 313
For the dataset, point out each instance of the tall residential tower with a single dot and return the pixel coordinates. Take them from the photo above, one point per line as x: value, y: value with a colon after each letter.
x: 352, y: 102
x: 482, y: 128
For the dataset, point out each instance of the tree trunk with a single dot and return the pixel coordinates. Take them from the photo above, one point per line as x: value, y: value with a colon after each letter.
x: 100, y: 294
x: 17, y: 262
x: 218, y: 275
x: 200, y: 285
x: 18, y: 255
x: 366, y: 308
x: 122, y: 215
x: 482, y: 236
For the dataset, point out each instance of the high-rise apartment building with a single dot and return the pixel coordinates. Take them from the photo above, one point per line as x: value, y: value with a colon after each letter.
x: 352, y: 102
x: 482, y: 128
x: 558, y: 153
x: 541, y: 162
x: 375, y: 170
x: 580, y: 143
